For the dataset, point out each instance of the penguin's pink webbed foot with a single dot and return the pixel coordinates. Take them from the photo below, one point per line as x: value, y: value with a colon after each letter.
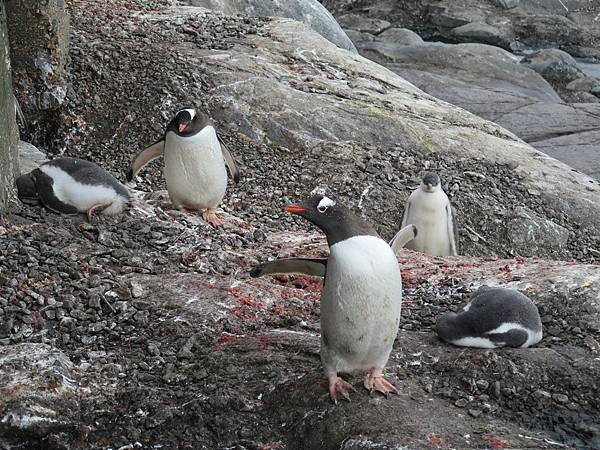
x: 337, y: 386
x: 211, y: 217
x: 92, y: 208
x: 375, y: 381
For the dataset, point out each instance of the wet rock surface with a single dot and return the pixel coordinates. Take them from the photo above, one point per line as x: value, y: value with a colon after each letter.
x: 179, y: 347
x: 479, y: 79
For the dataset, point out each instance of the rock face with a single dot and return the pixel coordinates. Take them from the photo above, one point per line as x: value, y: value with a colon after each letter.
x: 29, y: 157
x: 471, y: 75
x: 9, y: 134
x: 569, y: 25
x: 528, y: 232
x: 40, y: 397
x: 310, y: 12
x: 39, y: 46
x: 554, y: 64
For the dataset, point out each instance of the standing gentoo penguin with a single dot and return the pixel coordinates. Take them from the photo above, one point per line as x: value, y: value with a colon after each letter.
x: 429, y: 209
x: 73, y: 185
x: 493, y: 317
x: 361, y: 297
x: 194, y: 169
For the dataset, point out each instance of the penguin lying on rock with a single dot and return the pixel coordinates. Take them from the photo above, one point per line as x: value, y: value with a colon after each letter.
x: 429, y: 209
x: 361, y: 296
x: 72, y: 185
x: 494, y: 317
x: 194, y: 163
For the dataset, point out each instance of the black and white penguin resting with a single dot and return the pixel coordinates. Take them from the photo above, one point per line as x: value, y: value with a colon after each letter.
x: 72, y: 185
x: 194, y: 163
x: 361, y: 297
x: 493, y: 317
x: 429, y: 209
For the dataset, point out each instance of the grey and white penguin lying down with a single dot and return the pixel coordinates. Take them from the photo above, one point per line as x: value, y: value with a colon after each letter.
x: 72, y: 185
x: 494, y: 317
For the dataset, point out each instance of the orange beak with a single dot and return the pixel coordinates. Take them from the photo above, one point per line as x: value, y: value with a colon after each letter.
x: 295, y: 209
x: 183, y: 126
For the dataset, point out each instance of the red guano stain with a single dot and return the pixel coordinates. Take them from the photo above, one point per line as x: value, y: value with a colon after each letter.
x: 272, y: 446
x: 438, y: 441
x: 497, y: 442
x: 244, y: 298
x: 227, y: 339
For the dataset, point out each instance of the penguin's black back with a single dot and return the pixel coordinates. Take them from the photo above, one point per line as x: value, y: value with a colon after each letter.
x: 491, y: 307
x: 87, y: 172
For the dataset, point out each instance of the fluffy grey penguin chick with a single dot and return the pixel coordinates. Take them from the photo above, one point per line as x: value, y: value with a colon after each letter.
x: 429, y: 209
x: 361, y: 296
x: 195, y: 162
x: 71, y: 186
x: 494, y: 317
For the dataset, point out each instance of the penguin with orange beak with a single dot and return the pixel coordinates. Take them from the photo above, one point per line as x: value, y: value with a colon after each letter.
x: 361, y: 296
x: 195, y: 162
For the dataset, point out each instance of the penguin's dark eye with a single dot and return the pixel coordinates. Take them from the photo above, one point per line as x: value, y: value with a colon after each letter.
x: 321, y: 209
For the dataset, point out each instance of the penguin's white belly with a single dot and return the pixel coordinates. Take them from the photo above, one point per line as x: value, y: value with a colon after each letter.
x: 83, y: 196
x: 428, y: 213
x: 195, y: 170
x: 360, y: 305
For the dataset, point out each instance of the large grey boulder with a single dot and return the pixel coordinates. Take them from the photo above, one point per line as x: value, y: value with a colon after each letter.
x: 483, y: 33
x: 400, y: 36
x: 467, y: 75
x: 8, y: 125
x: 310, y: 12
x: 579, y: 150
x: 491, y: 83
x: 30, y: 157
x: 553, y: 64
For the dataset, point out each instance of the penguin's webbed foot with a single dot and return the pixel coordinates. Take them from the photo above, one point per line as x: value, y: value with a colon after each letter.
x: 211, y: 217
x: 91, y: 209
x: 337, y: 386
x: 375, y: 381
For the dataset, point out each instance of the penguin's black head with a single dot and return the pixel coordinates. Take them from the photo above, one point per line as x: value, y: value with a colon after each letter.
x: 430, y: 182
x: 337, y: 222
x: 187, y: 122
x: 26, y: 190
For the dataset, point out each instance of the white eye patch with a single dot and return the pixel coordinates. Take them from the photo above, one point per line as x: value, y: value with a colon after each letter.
x: 325, y: 203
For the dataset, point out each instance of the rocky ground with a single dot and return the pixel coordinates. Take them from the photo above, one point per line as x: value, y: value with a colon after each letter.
x: 145, y: 331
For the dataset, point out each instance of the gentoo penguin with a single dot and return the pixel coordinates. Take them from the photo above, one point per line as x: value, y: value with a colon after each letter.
x: 194, y: 167
x: 493, y: 317
x: 361, y: 296
x: 429, y: 209
x: 72, y: 185
x: 318, y: 266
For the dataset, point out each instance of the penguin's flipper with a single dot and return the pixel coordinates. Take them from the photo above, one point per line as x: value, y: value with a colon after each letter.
x: 406, y: 234
x: 452, y: 229
x: 147, y: 155
x: 511, y: 338
x: 230, y: 163
x: 305, y: 266
x: 45, y: 189
x: 405, y: 215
